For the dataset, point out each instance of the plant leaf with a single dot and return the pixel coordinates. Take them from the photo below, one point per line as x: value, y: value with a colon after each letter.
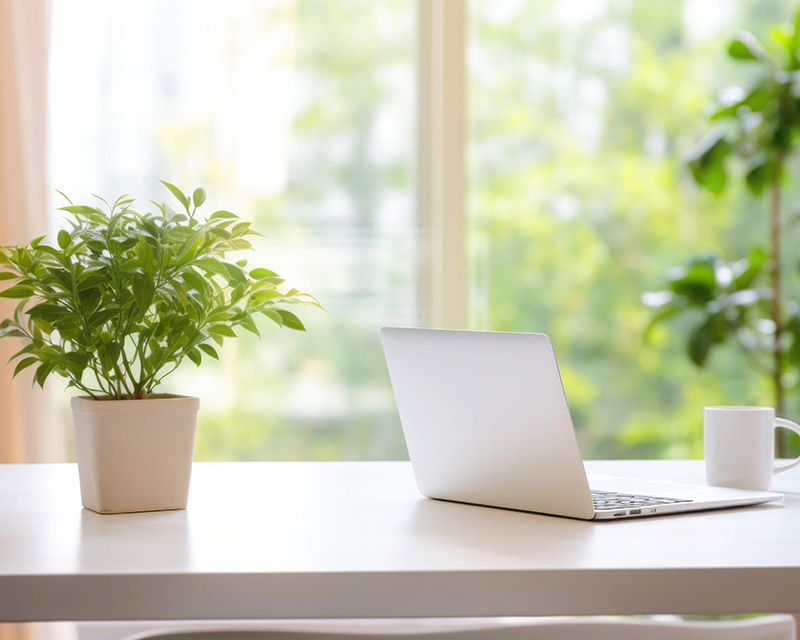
x: 222, y: 214
x: 699, y: 346
x: 747, y: 47
x: 42, y: 373
x: 194, y: 356
x: 705, y: 160
x: 143, y: 292
x: 221, y: 330
x: 248, y: 323
x: 179, y: 195
x: 64, y: 239
x: 290, y: 320
x: 274, y: 316
x: 24, y: 364
x: 199, y: 196
x: 78, y: 208
x: 17, y: 291
x: 207, y: 348
x: 761, y: 172
x: 259, y: 273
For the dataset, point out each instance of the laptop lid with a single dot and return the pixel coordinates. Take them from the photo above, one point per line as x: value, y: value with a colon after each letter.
x: 486, y: 420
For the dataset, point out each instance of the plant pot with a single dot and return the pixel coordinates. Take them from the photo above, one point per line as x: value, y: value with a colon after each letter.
x: 135, y: 455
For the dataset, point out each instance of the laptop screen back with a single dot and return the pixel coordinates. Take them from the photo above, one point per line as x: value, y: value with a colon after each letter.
x: 486, y: 420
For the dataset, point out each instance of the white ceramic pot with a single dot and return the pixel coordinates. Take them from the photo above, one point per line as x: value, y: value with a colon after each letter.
x: 135, y: 455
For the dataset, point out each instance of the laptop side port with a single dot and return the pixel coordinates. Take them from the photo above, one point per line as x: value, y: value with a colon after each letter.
x: 635, y: 512
x: 618, y: 513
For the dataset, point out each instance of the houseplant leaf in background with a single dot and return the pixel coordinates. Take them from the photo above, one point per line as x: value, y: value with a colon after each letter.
x: 758, y: 126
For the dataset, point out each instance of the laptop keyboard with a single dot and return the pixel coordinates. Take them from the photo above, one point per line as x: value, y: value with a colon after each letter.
x: 608, y: 500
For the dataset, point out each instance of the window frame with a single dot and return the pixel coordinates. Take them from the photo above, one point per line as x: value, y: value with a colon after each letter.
x: 441, y: 178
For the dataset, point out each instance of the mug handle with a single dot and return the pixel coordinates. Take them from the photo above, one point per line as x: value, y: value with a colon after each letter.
x: 787, y: 424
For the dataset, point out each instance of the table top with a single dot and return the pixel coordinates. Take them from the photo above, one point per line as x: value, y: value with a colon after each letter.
x: 356, y: 539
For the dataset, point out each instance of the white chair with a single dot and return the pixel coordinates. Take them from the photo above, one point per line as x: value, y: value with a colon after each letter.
x: 775, y: 627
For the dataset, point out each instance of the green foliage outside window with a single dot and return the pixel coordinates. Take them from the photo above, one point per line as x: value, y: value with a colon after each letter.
x: 581, y: 200
x: 742, y: 301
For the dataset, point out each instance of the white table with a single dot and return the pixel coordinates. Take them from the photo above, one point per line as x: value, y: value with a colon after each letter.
x: 327, y: 540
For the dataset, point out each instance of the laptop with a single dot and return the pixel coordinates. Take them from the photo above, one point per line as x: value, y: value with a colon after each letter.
x: 486, y: 422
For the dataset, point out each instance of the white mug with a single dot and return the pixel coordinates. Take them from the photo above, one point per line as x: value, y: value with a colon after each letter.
x: 740, y: 446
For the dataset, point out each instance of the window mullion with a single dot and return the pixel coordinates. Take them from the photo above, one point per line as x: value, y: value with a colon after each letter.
x: 441, y: 165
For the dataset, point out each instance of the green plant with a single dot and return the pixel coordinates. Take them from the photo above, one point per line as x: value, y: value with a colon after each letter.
x: 127, y: 296
x: 742, y: 300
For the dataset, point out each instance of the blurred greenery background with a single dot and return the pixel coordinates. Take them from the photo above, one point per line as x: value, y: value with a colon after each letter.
x: 299, y: 115
x: 580, y: 200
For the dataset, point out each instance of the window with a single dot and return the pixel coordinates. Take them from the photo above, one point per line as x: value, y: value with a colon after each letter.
x: 579, y: 200
x: 302, y: 116
x: 298, y: 115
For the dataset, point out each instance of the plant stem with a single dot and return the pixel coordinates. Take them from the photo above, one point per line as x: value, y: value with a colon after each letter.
x: 104, y: 390
x: 151, y: 381
x: 121, y: 380
x: 127, y: 364
x: 775, y: 303
x: 83, y: 387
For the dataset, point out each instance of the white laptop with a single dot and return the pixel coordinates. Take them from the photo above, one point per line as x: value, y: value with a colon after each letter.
x: 486, y: 422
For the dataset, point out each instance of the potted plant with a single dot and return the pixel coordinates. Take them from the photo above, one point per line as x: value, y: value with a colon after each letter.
x: 116, y: 304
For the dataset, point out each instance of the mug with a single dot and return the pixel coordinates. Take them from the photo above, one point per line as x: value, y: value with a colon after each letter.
x: 740, y: 446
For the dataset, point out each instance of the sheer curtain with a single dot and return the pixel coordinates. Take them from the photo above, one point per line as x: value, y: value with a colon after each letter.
x: 27, y: 431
